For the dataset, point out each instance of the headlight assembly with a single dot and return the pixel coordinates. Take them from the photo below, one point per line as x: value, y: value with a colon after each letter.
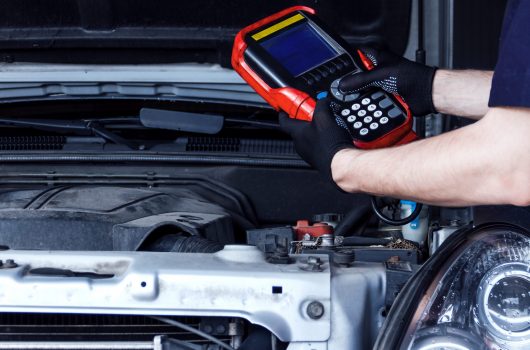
x: 472, y: 294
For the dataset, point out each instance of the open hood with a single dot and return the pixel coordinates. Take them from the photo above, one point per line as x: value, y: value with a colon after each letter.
x: 163, y: 31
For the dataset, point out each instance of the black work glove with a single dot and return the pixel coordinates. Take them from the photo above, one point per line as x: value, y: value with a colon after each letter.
x: 396, y: 75
x: 319, y: 140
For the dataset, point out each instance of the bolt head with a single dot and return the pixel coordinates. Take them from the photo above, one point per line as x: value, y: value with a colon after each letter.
x: 314, y: 260
x: 315, y: 310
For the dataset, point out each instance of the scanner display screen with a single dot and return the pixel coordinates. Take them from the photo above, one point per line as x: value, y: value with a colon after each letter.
x: 299, y: 49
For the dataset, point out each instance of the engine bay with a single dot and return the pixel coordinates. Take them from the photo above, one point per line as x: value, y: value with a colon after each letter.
x: 205, y: 246
x: 104, y: 231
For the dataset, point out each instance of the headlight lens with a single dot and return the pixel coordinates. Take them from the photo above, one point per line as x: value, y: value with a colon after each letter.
x: 474, y: 295
x: 503, y: 303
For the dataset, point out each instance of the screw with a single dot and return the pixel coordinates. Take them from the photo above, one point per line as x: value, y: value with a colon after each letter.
x: 314, y: 263
x: 454, y: 222
x: 9, y: 264
x: 315, y: 310
x: 314, y: 260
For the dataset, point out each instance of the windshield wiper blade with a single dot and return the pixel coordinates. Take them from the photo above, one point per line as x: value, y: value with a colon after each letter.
x: 78, y: 126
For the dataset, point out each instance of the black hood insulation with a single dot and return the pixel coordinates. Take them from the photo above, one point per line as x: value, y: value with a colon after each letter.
x: 164, y: 31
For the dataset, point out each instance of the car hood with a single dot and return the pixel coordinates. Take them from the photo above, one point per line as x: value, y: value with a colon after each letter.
x: 168, y: 31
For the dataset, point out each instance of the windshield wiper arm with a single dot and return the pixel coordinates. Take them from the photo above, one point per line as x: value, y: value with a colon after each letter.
x: 194, y: 122
x: 77, y: 126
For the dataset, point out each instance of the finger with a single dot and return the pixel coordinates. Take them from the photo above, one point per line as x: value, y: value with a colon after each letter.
x: 380, y: 57
x: 323, y: 106
x: 361, y: 81
x: 288, y: 124
x: 324, y: 117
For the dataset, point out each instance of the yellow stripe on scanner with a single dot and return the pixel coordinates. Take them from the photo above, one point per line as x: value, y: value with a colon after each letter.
x: 277, y: 27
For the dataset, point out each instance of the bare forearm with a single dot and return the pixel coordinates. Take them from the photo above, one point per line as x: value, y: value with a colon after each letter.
x: 472, y: 165
x: 462, y: 92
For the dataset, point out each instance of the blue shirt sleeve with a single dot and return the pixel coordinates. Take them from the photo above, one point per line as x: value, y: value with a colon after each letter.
x: 511, y: 79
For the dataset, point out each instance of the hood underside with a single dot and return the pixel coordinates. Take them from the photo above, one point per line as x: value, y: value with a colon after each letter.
x: 162, y: 31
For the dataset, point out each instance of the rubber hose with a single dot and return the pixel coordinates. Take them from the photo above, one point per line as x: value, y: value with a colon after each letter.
x: 195, y: 244
x: 179, y: 243
x: 353, y: 221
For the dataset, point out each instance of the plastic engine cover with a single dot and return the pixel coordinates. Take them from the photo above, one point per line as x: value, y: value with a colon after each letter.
x: 105, y: 218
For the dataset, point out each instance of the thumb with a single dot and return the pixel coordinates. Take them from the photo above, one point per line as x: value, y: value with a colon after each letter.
x: 360, y: 81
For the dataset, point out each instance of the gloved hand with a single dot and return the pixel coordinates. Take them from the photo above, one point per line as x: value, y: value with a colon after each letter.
x: 319, y: 140
x: 395, y: 74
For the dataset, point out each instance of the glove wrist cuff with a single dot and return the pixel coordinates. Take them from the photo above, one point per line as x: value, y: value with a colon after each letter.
x: 429, y: 81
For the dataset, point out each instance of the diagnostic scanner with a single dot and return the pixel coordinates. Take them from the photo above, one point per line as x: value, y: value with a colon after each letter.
x: 292, y: 59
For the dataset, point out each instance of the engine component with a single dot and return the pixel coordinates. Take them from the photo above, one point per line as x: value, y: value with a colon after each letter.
x: 331, y: 219
x: 417, y: 229
x: 390, y: 203
x: 182, y: 244
x: 450, y: 220
x: 303, y: 230
x: 95, y: 218
x: 268, y: 239
x: 439, y: 235
x: 397, y: 274
x: 319, y: 238
x: 354, y: 221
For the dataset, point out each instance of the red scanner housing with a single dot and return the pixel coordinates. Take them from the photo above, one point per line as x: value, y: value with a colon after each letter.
x: 295, y: 94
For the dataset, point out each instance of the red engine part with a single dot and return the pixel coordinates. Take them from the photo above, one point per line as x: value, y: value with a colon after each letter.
x: 316, y: 230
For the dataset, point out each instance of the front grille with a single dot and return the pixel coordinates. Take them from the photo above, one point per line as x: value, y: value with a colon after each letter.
x: 76, y: 327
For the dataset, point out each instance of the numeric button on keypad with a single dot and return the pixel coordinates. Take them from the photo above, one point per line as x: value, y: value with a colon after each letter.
x: 383, y: 120
x: 345, y: 112
x: 355, y: 106
x: 361, y: 113
x: 363, y: 131
x: 365, y: 101
x: 357, y: 125
x: 351, y: 118
x: 374, y: 126
x: 371, y: 108
x: 368, y: 119
x: 377, y: 114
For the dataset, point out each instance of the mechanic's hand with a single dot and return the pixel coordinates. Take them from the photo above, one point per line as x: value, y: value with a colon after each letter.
x: 395, y: 74
x: 319, y: 140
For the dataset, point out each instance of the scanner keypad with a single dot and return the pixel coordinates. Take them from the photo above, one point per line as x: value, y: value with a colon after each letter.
x: 369, y: 115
